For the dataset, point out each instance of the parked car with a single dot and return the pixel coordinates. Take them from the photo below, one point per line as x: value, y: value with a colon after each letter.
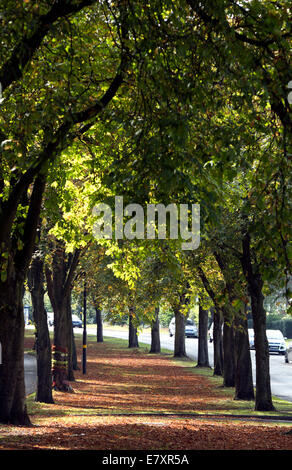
x: 76, y: 322
x: 275, y: 339
x: 191, y: 331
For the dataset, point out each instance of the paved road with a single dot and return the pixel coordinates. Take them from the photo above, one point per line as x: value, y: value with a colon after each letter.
x: 281, y: 373
x: 30, y: 373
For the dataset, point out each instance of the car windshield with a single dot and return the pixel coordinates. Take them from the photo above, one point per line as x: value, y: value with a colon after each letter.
x: 274, y: 334
x: 190, y: 322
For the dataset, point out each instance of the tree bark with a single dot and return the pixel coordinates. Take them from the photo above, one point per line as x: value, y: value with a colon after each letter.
x: 217, y: 325
x: 263, y: 401
x: 203, y: 354
x: 228, y: 354
x: 59, y: 281
x: 243, y: 367
x: 133, y: 337
x: 179, y: 336
x: 43, y: 343
x: 244, y: 389
x: 99, y: 325
x: 12, y: 386
x: 155, y: 334
x: 72, y: 360
x: 218, y: 342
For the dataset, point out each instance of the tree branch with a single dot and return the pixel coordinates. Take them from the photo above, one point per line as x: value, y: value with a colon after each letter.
x: 23, y: 257
x: 71, y: 271
x: 215, y: 23
x: 13, y: 69
x: 61, y: 140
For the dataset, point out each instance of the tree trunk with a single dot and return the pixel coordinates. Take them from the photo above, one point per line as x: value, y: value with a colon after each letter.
x: 203, y: 354
x: 99, y: 325
x: 217, y: 325
x: 60, y: 351
x: 243, y: 366
x: 59, y: 300
x: 15, y: 261
x: 74, y: 351
x: 244, y: 389
x: 179, y: 337
x: 12, y: 385
x: 263, y: 400
x: 133, y: 337
x: 43, y: 343
x: 71, y: 339
x: 218, y: 343
x: 263, y: 383
x: 155, y: 334
x: 59, y: 282
x: 228, y: 355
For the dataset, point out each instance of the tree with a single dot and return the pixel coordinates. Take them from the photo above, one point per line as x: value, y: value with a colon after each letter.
x: 155, y: 336
x: 203, y: 354
x: 217, y: 326
x: 255, y: 283
x: 45, y: 120
x: 265, y: 196
x: 59, y: 278
x: 36, y: 283
x: 238, y: 299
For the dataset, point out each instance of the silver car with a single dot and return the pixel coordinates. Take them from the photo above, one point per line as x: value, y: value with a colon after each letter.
x: 191, y: 330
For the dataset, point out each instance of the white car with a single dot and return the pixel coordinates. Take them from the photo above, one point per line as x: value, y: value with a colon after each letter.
x: 275, y: 339
x: 191, y: 330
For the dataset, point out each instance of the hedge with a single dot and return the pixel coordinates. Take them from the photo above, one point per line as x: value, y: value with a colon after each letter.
x: 284, y: 325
